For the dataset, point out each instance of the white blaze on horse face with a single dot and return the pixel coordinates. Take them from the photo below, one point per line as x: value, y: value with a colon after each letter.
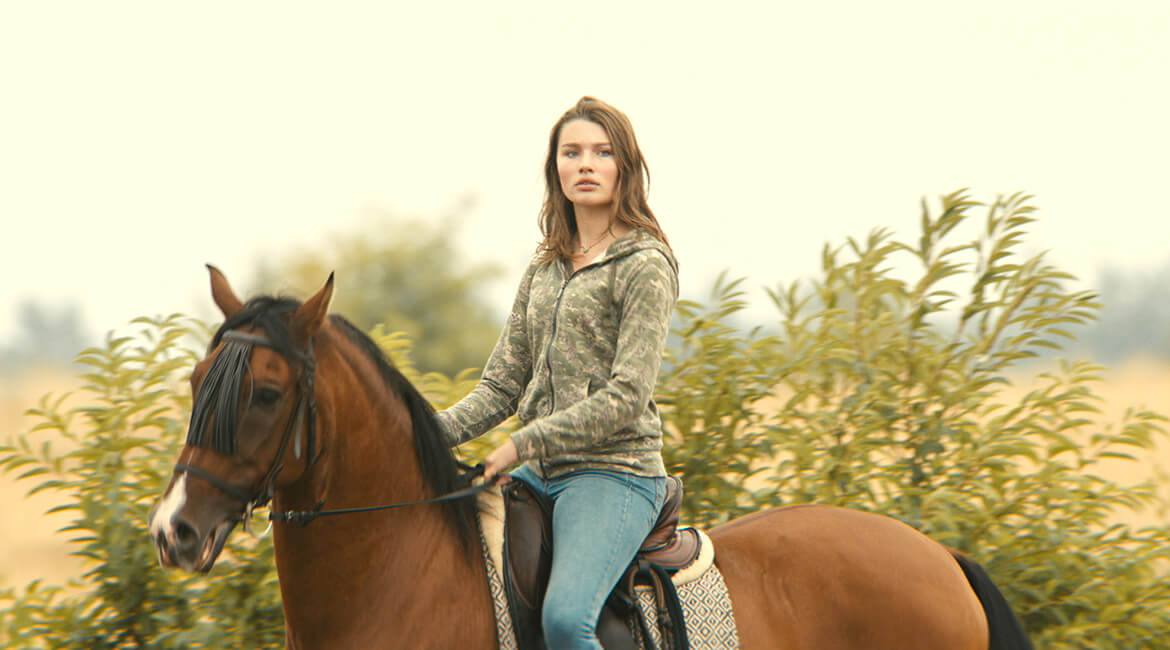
x: 170, y: 504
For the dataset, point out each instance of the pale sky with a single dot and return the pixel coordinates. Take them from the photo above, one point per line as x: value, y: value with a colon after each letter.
x: 139, y: 140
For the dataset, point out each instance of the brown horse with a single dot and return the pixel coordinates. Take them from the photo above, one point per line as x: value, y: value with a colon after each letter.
x: 305, y: 409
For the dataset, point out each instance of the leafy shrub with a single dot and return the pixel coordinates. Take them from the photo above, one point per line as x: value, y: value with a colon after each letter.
x: 121, y: 443
x: 877, y: 392
x: 881, y: 393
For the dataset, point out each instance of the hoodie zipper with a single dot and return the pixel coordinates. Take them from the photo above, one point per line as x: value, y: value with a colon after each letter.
x: 605, y: 259
x: 553, y: 333
x: 552, y: 393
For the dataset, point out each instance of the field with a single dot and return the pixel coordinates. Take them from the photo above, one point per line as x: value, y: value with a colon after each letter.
x: 30, y: 547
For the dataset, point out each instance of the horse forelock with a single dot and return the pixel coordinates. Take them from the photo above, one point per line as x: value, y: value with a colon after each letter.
x: 268, y: 313
x: 217, y: 400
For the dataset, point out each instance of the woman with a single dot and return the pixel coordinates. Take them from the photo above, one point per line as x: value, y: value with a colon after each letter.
x: 577, y: 362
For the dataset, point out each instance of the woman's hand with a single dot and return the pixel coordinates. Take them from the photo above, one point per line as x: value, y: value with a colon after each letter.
x: 500, y: 459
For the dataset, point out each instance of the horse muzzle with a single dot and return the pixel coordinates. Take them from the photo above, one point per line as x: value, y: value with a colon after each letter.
x: 179, y: 544
x: 182, y: 540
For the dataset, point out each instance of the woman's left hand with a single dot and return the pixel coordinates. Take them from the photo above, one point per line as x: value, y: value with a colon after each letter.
x: 500, y: 459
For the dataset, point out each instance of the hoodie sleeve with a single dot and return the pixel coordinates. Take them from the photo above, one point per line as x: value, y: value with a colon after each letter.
x: 505, y: 375
x: 646, y: 298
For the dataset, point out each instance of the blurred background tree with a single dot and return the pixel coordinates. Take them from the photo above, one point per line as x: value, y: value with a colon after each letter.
x: 406, y: 275
x: 1135, y: 318
x: 46, y: 335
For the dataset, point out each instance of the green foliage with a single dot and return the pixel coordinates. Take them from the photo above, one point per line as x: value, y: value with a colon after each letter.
x: 109, y: 459
x: 883, y: 394
x: 711, y: 385
x: 405, y: 275
x: 877, y: 391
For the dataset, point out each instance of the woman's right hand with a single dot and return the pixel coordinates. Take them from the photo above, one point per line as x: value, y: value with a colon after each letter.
x: 501, y: 458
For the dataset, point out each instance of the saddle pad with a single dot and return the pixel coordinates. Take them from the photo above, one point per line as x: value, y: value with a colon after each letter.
x: 701, y: 591
x: 491, y: 536
x: 706, y: 612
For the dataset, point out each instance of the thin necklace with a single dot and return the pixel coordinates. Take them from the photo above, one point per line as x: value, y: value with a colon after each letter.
x: 585, y: 249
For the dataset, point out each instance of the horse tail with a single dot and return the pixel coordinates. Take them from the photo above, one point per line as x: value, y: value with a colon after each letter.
x: 1004, y: 631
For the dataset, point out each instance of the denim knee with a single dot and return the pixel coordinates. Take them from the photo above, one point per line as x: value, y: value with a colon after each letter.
x: 565, y: 626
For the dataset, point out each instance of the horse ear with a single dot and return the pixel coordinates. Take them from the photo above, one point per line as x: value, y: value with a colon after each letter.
x: 309, y: 316
x: 222, y: 294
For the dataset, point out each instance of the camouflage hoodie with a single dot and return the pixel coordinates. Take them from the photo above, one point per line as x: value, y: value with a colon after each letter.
x: 577, y: 362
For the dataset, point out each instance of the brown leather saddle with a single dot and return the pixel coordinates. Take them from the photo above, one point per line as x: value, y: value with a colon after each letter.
x: 528, y: 561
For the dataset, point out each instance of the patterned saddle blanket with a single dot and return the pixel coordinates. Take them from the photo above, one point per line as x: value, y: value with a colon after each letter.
x: 702, y: 594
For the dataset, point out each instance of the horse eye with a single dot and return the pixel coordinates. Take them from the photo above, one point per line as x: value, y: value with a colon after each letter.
x: 265, y: 396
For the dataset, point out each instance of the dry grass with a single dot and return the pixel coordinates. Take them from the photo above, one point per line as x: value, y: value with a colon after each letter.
x: 30, y: 547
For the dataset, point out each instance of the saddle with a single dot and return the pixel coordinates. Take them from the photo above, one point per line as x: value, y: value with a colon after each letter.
x: 528, y: 561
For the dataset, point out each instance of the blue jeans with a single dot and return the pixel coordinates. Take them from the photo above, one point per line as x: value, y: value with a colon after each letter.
x: 600, y: 519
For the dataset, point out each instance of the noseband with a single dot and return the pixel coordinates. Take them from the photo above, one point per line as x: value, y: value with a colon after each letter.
x: 303, y: 419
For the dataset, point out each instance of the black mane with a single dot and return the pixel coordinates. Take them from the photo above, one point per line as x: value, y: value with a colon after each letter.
x: 435, y: 459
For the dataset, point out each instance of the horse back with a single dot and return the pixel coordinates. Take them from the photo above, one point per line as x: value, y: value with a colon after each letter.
x: 812, y: 576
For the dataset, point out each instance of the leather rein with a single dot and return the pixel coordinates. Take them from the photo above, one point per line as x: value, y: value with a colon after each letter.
x: 301, y: 420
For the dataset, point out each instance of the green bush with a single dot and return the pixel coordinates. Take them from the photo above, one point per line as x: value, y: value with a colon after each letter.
x: 878, y: 392
x: 120, y: 445
x: 881, y: 393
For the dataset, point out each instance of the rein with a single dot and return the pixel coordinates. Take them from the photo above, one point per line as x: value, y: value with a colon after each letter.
x: 264, y: 494
x: 303, y: 517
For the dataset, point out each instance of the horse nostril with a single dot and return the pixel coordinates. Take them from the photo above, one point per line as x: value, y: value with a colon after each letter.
x: 160, y: 540
x: 185, y: 535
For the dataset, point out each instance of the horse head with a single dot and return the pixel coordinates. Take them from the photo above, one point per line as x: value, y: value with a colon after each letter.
x: 252, y: 423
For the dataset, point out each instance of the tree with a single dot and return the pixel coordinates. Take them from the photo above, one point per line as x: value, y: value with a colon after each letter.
x: 46, y: 335
x: 408, y: 276
x: 1135, y: 318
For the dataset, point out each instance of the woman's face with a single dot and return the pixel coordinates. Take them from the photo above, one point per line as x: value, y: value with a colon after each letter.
x: 586, y: 164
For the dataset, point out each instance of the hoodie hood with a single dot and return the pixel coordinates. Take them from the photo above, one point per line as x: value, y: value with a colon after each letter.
x: 634, y: 241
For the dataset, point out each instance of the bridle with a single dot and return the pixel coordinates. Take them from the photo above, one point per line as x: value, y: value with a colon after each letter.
x: 303, y: 419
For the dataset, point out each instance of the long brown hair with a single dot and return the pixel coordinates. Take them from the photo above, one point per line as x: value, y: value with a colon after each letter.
x: 557, y: 222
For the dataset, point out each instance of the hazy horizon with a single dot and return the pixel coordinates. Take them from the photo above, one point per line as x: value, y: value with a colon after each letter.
x: 144, y: 140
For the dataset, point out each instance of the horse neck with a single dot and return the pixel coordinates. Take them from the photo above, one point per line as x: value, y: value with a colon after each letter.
x: 377, y: 577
